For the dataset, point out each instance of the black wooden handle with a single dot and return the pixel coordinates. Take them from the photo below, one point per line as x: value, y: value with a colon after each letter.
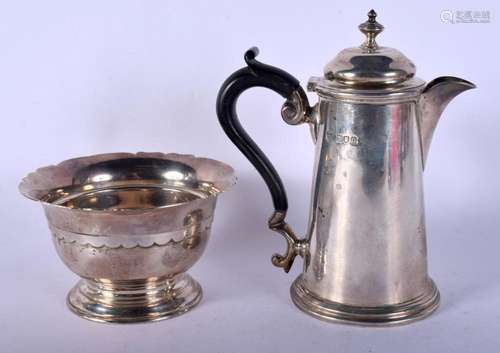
x: 257, y: 74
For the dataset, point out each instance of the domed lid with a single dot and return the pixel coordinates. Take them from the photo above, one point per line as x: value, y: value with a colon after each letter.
x: 370, y: 64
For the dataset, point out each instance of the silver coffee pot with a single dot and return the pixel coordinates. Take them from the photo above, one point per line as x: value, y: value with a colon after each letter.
x: 365, y: 257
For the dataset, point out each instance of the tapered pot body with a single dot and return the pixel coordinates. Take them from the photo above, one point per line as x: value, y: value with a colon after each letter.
x: 367, y: 242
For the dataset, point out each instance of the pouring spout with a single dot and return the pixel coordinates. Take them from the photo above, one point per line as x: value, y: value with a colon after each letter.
x: 434, y: 99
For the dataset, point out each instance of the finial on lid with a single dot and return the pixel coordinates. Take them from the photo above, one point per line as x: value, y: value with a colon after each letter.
x: 371, y: 28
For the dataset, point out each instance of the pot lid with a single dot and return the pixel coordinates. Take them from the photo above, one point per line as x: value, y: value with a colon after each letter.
x: 370, y: 64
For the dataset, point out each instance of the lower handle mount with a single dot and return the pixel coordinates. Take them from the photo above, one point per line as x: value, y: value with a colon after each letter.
x: 295, y: 246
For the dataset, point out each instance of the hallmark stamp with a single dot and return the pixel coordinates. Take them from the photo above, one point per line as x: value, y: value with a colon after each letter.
x: 347, y: 139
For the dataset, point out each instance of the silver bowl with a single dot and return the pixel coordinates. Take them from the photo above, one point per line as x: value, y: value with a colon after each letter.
x: 130, y: 225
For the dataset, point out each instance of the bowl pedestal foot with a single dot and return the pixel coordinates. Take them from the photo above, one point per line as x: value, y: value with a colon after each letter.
x: 131, y: 301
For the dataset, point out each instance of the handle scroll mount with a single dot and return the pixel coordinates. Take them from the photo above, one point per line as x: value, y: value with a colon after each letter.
x: 295, y: 110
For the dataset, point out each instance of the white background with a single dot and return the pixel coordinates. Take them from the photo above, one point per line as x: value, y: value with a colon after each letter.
x: 85, y: 77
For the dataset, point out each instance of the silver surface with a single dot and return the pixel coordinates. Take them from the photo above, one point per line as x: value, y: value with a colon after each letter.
x: 370, y: 64
x: 434, y: 99
x: 367, y: 228
x: 130, y: 225
x: 59, y: 106
x: 366, y: 242
x: 365, y: 251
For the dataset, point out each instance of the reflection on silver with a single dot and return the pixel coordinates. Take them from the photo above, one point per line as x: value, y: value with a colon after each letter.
x: 366, y: 258
x: 130, y: 225
x: 365, y: 249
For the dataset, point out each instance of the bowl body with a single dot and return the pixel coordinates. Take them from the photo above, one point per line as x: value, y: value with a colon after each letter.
x: 160, y: 242
x: 130, y: 225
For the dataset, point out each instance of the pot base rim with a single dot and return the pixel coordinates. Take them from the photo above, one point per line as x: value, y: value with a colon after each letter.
x: 386, y: 315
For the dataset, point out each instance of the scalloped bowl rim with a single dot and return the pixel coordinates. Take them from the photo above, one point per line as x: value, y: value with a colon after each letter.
x: 39, y: 183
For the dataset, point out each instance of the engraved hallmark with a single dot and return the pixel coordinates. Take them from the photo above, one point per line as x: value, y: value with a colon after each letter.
x: 345, y: 139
